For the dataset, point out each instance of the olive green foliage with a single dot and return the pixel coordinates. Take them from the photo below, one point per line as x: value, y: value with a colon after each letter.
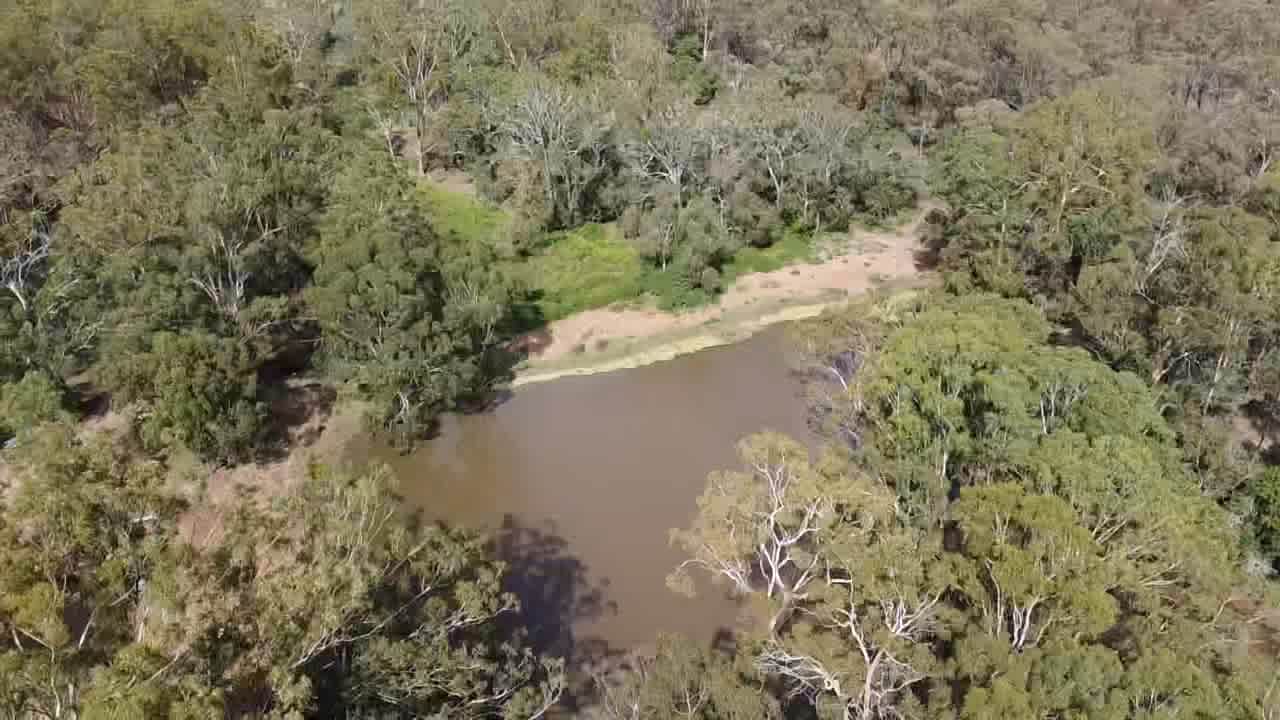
x: 795, y: 246
x: 326, y: 599
x: 34, y: 400
x: 85, y: 529
x: 1142, y: 228
x: 682, y: 680
x: 1035, y: 503
x: 461, y: 218
x: 1014, y: 520
x: 1266, y: 495
x: 407, y: 318
x: 193, y: 391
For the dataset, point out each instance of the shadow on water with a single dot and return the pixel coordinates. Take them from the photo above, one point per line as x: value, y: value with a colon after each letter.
x: 557, y: 594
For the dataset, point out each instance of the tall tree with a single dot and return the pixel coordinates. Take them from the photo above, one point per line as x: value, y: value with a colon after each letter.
x: 407, y: 321
x: 415, y: 44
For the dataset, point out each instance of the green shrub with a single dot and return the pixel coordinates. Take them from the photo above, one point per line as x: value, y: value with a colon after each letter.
x: 795, y: 246
x: 197, y: 391
x: 34, y: 400
x: 674, y: 290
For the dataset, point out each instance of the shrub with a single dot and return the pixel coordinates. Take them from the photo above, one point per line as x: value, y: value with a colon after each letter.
x: 197, y: 391
x: 34, y: 400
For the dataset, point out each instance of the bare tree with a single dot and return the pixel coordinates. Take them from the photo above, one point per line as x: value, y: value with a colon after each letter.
x: 23, y: 269
x: 669, y: 151
x: 778, y: 148
x: 565, y: 138
x: 760, y: 529
x: 416, y: 41
x: 1168, y: 241
x: 823, y: 151
x: 302, y: 25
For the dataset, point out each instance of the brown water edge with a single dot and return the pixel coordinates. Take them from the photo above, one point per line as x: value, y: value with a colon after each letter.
x: 583, y: 478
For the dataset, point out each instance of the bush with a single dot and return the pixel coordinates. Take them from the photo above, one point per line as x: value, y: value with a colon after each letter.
x: 673, y: 290
x: 34, y: 400
x: 1266, y: 514
x: 795, y: 246
x: 458, y: 217
x: 198, y: 391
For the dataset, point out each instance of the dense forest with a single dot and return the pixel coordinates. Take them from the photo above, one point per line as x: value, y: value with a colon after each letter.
x: 1033, y: 499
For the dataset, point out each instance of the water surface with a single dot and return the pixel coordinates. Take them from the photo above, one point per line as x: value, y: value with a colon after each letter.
x: 584, y: 477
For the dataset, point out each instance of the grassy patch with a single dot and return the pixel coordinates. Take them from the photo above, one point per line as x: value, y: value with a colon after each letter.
x: 459, y: 216
x: 593, y: 266
x: 673, y: 291
x: 795, y: 247
x: 585, y: 268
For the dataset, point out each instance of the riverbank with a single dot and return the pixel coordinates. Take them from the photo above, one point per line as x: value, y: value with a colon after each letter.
x: 609, y: 339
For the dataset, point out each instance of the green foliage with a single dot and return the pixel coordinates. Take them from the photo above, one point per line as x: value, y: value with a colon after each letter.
x: 84, y: 530
x: 460, y: 218
x: 407, y: 318
x: 682, y: 680
x: 962, y: 389
x: 587, y: 268
x: 1266, y: 520
x: 196, y: 391
x: 187, y: 201
x: 34, y: 400
x: 1060, y: 192
x: 409, y: 606
x: 1014, y: 520
x: 109, y: 612
x: 796, y: 246
x: 48, y: 316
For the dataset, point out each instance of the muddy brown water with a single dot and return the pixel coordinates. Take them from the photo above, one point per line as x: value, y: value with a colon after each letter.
x: 581, y: 479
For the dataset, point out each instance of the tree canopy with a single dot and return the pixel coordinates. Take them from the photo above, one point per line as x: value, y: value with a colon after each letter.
x: 1036, y: 493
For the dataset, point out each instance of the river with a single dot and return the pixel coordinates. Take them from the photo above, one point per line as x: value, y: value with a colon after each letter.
x: 582, y: 479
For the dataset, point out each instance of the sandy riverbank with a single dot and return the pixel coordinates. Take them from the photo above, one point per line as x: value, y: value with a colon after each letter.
x: 611, y: 339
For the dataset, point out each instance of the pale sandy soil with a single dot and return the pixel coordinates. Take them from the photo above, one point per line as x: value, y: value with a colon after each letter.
x: 611, y: 339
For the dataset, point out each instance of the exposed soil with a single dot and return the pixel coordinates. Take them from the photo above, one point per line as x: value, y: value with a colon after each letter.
x: 612, y: 338
x: 455, y: 181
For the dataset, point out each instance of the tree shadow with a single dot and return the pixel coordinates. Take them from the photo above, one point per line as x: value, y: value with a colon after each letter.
x: 1262, y: 418
x: 932, y: 241
x: 87, y: 400
x: 556, y: 593
x: 297, y: 415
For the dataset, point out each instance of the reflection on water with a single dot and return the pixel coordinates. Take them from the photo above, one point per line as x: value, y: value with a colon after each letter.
x: 582, y: 479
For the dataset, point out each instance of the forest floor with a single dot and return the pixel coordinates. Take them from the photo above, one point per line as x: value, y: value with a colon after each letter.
x: 614, y: 338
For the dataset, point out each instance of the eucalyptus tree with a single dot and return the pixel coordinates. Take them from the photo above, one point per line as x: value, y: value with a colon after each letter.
x: 568, y: 141
x: 325, y: 598
x: 408, y: 320
x: 1010, y: 532
x: 416, y: 45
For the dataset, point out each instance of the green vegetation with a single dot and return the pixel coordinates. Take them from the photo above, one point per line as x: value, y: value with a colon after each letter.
x: 1019, y: 500
x: 795, y: 246
x: 326, y: 599
x: 1033, y: 500
x: 586, y: 268
x: 459, y: 217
